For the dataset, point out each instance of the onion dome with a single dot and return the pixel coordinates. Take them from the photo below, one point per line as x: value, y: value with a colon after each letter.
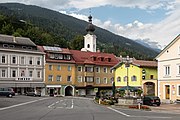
x: 90, y: 28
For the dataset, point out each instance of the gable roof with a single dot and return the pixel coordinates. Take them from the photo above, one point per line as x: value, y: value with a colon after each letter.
x: 139, y: 63
x: 168, y: 46
x: 16, y: 40
x: 96, y: 58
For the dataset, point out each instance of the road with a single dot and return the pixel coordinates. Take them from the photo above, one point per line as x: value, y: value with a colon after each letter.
x: 71, y: 108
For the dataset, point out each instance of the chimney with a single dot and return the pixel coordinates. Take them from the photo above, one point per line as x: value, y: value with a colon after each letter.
x: 14, y: 39
x: 98, y: 50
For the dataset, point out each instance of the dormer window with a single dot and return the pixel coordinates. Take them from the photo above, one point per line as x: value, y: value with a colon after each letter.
x: 5, y: 45
x: 102, y: 59
x: 11, y: 46
x: 29, y: 48
x: 109, y: 59
x: 23, y: 47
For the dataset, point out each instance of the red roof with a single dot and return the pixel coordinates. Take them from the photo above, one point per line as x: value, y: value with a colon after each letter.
x: 97, y: 58
x: 143, y: 63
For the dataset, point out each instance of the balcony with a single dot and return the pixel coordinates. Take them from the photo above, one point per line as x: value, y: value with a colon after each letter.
x: 23, y: 79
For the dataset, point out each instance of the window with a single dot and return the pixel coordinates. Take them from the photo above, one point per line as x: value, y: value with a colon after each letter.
x: 167, y: 70
x: 98, y: 69
x: 30, y: 60
x: 79, y: 78
x: 13, y: 59
x: 11, y: 46
x: 89, y: 79
x: 58, y: 78
x: 3, y: 73
x: 88, y: 46
x: 133, y: 78
x: 118, y: 79
x: 38, y: 61
x: 13, y: 73
x: 125, y: 79
x: 79, y: 68
x: 5, y: 45
x: 105, y: 69
x: 178, y: 90
x: 111, y: 71
x: 68, y: 78
x: 50, y: 78
x: 22, y: 60
x: 38, y: 74
x: 67, y: 57
x: 105, y: 80
x: 111, y: 80
x: 151, y: 76
x: 30, y: 73
x: 3, y: 59
x: 69, y: 68
x: 50, y: 67
x: 89, y: 69
x: 58, y: 67
x: 97, y: 80
x: 22, y: 73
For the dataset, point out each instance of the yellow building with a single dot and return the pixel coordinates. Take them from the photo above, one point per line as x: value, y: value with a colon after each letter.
x: 137, y: 73
x: 59, y: 71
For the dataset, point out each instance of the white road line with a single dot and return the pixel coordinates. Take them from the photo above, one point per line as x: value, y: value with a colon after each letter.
x: 72, y: 104
x: 22, y: 104
x: 152, y: 117
x: 119, y: 112
x: 50, y: 106
x: 158, y: 117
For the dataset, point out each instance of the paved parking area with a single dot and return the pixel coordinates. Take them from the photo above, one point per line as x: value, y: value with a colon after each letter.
x: 5, y: 101
x: 170, y: 108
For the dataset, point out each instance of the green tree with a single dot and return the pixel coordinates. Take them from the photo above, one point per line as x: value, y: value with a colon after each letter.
x: 7, y: 29
x: 77, y: 43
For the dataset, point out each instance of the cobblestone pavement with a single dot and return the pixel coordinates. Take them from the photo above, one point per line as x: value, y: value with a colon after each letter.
x: 170, y: 108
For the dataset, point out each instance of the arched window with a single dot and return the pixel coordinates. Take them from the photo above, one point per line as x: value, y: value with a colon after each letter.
x: 133, y: 78
x: 88, y: 45
x: 118, y: 79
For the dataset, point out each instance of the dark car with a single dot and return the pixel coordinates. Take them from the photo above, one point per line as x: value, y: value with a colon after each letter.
x: 32, y: 93
x: 8, y: 92
x: 151, y: 100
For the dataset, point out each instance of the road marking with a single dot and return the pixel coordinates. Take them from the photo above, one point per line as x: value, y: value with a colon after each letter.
x: 22, y: 104
x: 152, y: 117
x: 50, y: 106
x: 119, y: 112
x: 159, y: 117
x: 72, y: 104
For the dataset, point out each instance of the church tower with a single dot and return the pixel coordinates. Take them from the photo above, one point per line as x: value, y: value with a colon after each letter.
x: 90, y: 38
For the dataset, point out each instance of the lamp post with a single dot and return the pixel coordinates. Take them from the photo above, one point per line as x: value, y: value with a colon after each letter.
x: 127, y: 64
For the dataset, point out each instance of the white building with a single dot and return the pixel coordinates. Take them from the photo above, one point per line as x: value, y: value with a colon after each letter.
x: 21, y: 65
x: 90, y: 37
x: 169, y: 72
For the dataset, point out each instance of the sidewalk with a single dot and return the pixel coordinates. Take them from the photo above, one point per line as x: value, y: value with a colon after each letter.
x: 172, y: 108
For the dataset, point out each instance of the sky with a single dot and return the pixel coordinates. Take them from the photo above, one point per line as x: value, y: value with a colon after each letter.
x: 156, y: 22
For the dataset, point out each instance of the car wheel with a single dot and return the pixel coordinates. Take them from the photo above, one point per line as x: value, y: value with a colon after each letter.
x: 158, y: 104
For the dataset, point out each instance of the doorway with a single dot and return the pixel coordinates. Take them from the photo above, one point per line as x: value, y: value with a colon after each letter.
x: 167, y: 91
x: 68, y: 91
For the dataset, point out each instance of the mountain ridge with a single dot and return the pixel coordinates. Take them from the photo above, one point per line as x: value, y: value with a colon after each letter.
x: 67, y: 27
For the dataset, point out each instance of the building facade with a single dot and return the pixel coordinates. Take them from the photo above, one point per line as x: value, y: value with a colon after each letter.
x: 169, y: 71
x: 139, y: 73
x: 21, y: 65
x: 59, y: 71
x: 93, y: 72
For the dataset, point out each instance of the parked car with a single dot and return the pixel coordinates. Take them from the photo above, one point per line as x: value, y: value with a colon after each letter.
x: 151, y: 100
x: 33, y: 93
x: 8, y: 92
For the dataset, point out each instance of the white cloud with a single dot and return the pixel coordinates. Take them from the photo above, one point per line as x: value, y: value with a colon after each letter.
x: 84, y: 4
x: 162, y: 32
